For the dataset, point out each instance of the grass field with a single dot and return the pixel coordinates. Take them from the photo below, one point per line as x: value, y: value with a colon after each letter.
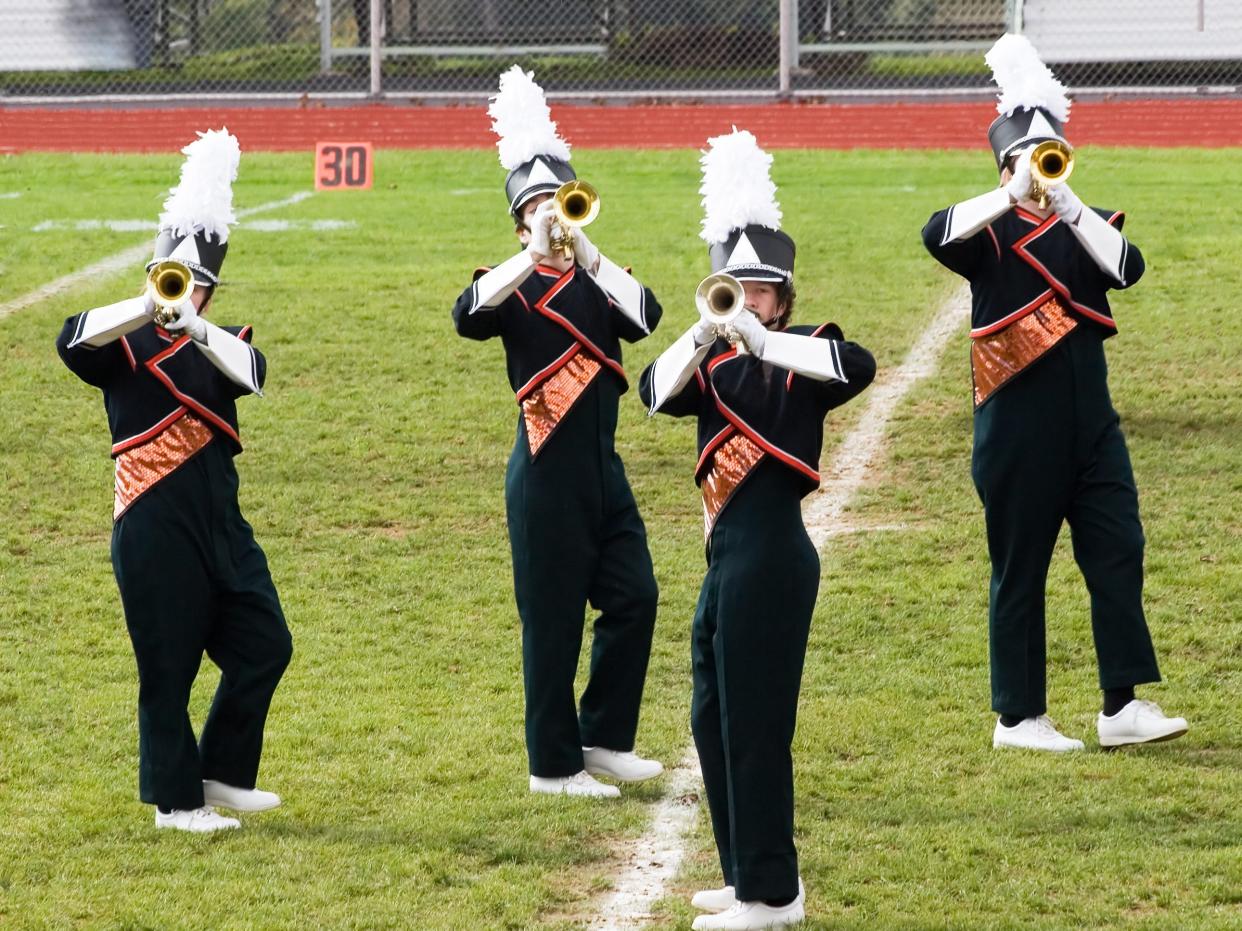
x: 373, y: 475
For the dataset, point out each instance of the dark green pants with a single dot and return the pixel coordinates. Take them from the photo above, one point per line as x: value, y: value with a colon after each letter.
x: 1049, y: 449
x: 747, y: 651
x: 577, y: 539
x: 193, y: 580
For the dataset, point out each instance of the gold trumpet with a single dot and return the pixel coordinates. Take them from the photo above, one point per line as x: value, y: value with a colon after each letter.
x: 575, y: 204
x: 720, y: 300
x: 169, y: 283
x: 1051, y: 164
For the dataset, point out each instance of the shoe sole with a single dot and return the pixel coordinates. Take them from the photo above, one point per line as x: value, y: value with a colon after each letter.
x: 631, y: 779
x: 996, y: 746
x: 1114, y: 744
x: 219, y: 803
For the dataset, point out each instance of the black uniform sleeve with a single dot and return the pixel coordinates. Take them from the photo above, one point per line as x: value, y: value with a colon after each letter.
x: 484, y: 323
x: 859, y: 367
x: 94, y: 366
x: 630, y: 331
x: 962, y: 256
x: 232, y: 388
x: 685, y: 403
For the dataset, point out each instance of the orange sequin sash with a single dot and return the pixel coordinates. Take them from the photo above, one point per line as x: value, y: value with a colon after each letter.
x: 544, y: 407
x: 138, y: 470
x: 731, y: 463
x: 997, y: 358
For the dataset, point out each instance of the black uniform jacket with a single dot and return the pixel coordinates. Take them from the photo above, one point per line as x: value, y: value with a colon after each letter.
x: 1020, y: 261
x: 150, y: 380
x: 545, y: 322
x: 781, y: 412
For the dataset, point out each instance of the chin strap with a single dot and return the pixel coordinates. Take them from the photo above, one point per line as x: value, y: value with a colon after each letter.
x: 1103, y: 242
x: 810, y: 356
x: 102, y: 325
x: 675, y: 367
x: 970, y: 216
x: 627, y: 293
x: 491, y: 289
x: 231, y: 355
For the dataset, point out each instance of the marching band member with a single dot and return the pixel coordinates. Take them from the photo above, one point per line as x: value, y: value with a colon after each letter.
x: 574, y: 528
x: 760, y: 403
x: 191, y: 576
x: 1048, y: 447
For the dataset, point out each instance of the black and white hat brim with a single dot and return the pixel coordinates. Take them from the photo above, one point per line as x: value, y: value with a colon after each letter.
x: 1016, y: 131
x: 541, y: 175
x: 201, y: 253
x: 756, y: 253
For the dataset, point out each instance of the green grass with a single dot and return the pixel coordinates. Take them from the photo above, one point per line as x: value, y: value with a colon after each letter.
x: 373, y: 476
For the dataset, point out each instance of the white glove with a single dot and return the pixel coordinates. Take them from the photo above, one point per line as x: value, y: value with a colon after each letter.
x: 188, y: 321
x: 1065, y: 202
x: 585, y: 252
x: 1019, y: 186
x: 541, y: 229
x: 704, y: 333
x: 748, y: 327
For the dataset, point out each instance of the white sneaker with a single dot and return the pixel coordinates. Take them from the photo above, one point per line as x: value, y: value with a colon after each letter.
x: 723, y: 899
x: 621, y: 765
x: 1034, y: 734
x: 744, y: 916
x: 714, y: 900
x: 227, y: 796
x: 577, y: 784
x: 196, y: 820
x: 1139, y: 722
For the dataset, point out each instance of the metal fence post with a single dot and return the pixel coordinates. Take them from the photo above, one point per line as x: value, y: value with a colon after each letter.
x: 377, y: 41
x: 325, y: 36
x: 787, y: 39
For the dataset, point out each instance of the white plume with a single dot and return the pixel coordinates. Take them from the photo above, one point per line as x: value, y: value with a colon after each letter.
x: 203, y: 200
x: 522, y: 120
x: 1024, y: 80
x: 736, y: 188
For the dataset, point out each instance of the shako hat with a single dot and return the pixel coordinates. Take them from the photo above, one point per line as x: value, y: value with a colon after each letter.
x: 194, y: 227
x: 741, y: 218
x: 535, y: 155
x: 1033, y: 106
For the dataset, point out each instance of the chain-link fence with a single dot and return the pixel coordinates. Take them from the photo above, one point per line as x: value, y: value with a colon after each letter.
x: 427, y: 49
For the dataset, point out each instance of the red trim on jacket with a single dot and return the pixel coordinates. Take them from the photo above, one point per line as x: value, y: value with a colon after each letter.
x: 1019, y: 248
x: 712, y: 445
x: 819, y: 329
x: 140, y: 438
x: 995, y: 241
x: 1011, y: 318
x: 547, y: 372
x: 788, y: 458
x: 197, y: 406
x: 541, y: 305
x: 133, y: 363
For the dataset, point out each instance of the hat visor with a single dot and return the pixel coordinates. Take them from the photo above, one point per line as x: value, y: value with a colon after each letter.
x: 756, y: 273
x: 527, y: 193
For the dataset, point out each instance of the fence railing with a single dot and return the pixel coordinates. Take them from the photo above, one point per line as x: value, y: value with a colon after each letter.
x: 70, y: 50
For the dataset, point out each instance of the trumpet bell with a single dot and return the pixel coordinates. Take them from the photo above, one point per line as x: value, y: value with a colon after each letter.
x: 576, y: 203
x: 720, y: 299
x: 1051, y: 164
x: 169, y: 283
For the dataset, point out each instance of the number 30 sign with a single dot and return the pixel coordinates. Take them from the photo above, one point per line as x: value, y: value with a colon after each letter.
x: 343, y: 166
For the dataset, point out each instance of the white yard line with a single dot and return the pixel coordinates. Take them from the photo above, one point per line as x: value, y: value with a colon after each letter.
x: 654, y: 859
x: 119, y: 261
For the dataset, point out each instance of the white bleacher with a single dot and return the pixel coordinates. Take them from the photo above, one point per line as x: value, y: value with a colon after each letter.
x: 65, y: 35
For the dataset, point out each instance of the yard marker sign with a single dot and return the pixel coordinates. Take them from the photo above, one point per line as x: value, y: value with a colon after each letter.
x: 343, y: 166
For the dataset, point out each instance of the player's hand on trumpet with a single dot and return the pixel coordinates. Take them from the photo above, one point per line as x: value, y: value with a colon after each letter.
x: 541, y: 224
x: 585, y: 252
x: 750, y: 331
x: 1019, y: 186
x: 188, y: 321
x: 1065, y: 202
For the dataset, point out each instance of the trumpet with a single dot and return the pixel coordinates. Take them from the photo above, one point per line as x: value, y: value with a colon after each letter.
x: 720, y: 300
x: 169, y: 283
x: 1051, y: 164
x: 575, y: 204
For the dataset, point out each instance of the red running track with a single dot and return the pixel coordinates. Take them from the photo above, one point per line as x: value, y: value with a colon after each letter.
x: 1187, y: 122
